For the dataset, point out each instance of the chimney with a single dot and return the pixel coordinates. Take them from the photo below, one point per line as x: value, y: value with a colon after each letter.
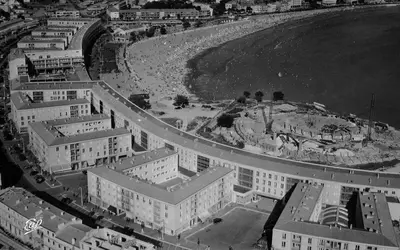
x: 351, y: 226
x: 40, y: 202
x: 18, y: 201
x: 62, y: 212
x: 26, y: 208
x: 73, y: 241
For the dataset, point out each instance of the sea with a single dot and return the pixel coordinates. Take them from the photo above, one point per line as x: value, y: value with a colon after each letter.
x: 338, y: 59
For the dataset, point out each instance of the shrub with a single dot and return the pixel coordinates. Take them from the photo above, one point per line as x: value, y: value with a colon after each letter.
x: 259, y: 95
x: 241, y: 99
x: 181, y: 100
x: 278, y: 96
x: 140, y: 101
x: 225, y: 120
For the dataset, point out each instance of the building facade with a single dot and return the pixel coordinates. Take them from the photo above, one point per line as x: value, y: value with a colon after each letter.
x: 172, y: 209
x: 299, y: 225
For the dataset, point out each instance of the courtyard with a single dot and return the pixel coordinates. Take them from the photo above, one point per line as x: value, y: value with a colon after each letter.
x: 240, y: 229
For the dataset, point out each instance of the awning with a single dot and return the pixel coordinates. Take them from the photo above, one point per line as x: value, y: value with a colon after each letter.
x: 204, y: 216
x: 112, y: 209
x: 91, y: 162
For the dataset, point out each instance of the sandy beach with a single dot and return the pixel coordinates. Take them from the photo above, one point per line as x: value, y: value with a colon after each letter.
x: 158, y: 65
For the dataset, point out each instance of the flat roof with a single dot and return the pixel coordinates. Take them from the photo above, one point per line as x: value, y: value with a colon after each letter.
x: 52, y: 85
x: 31, y: 39
x: 141, y: 159
x: 76, y: 41
x: 21, y: 103
x: 31, y: 206
x: 159, y: 10
x: 41, y: 29
x: 16, y: 53
x: 376, y: 214
x: 237, y: 156
x: 300, y: 206
x: 79, y: 19
x: 51, y: 138
x: 174, y: 197
x: 79, y: 119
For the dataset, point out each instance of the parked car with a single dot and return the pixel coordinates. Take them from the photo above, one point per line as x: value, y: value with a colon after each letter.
x: 217, y: 220
x: 39, y: 179
x: 33, y: 173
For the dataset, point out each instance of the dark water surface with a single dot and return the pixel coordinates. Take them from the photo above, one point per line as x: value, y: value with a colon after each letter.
x: 338, y: 59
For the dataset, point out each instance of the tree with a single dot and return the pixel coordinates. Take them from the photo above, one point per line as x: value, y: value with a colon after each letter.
x: 249, y: 9
x: 181, y: 100
x: 259, y: 95
x: 133, y: 37
x: 241, y: 99
x: 150, y: 32
x: 141, y: 33
x: 278, y: 96
x: 163, y: 30
x: 140, y: 101
x: 225, y: 120
x: 246, y: 94
x: 240, y: 144
x: 186, y: 25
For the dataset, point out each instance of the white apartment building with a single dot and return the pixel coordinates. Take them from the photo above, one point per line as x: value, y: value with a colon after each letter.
x: 172, y: 206
x: 65, y: 152
x: 157, y: 166
x: 301, y: 227
x: 41, y: 32
x: 66, y: 13
x: 45, y: 43
x: 81, y: 124
x: 24, y: 110
x: 67, y: 21
x: 59, y: 230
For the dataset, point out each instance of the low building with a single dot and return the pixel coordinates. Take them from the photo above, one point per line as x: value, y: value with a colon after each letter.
x: 230, y: 5
x: 58, y: 229
x: 96, y: 10
x: 113, y: 13
x: 25, y: 109
x: 148, y: 14
x: 259, y: 8
x: 297, y: 3
x: 105, y: 238
x: 329, y: 2
x: 46, y: 32
x: 60, y: 151
x: 66, y: 13
x: 172, y: 206
x: 65, y: 22
x: 301, y: 226
x: 29, y: 42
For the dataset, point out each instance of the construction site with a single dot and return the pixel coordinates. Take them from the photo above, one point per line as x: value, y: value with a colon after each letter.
x: 307, y: 132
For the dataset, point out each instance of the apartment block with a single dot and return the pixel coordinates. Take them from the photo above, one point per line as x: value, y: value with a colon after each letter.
x: 65, y: 13
x: 172, y: 206
x: 41, y: 32
x: 18, y: 64
x: 37, y: 43
x: 65, y: 22
x: 307, y: 223
x: 156, y: 166
x: 59, y: 230
x: 25, y: 109
x: 146, y: 14
x: 68, y: 151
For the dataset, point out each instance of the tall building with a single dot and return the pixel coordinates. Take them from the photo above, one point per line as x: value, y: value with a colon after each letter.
x: 307, y: 223
x: 171, y: 206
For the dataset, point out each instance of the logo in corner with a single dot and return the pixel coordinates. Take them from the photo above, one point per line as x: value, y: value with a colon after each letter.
x: 32, y: 224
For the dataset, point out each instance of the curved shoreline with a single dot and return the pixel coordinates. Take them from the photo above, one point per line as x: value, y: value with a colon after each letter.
x: 159, y: 65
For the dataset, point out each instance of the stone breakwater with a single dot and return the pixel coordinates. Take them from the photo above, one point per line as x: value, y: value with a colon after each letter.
x: 159, y: 65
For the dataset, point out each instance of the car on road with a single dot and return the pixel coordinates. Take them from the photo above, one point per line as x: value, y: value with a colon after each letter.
x: 39, y: 179
x: 33, y: 173
x: 217, y: 220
